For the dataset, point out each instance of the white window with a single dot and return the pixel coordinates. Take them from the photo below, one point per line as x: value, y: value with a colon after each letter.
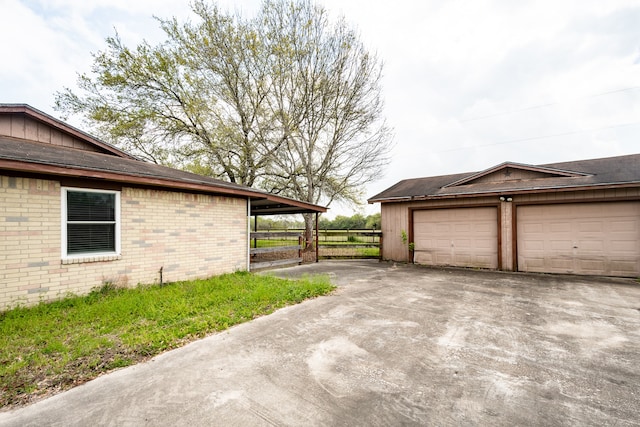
x: 90, y: 223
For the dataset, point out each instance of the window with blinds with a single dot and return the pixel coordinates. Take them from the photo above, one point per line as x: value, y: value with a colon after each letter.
x: 91, y: 223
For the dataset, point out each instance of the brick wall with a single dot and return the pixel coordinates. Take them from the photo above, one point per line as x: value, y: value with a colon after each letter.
x: 188, y: 235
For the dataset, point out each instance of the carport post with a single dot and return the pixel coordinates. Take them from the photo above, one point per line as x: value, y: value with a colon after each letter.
x: 317, y: 237
x: 255, y: 230
x: 249, y: 233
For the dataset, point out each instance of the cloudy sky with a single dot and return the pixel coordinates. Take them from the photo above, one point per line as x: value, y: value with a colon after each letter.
x: 467, y: 84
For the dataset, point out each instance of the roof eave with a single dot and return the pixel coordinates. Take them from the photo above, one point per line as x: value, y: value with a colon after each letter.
x: 274, y: 206
x: 510, y: 192
x: 389, y: 199
x: 123, y: 178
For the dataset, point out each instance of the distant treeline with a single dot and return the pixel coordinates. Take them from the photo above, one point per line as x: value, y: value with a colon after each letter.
x: 340, y: 222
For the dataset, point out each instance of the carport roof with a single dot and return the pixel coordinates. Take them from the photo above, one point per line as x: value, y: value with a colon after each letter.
x: 610, y: 172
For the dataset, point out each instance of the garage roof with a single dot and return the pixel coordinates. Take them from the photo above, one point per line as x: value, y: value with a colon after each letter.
x: 516, y: 178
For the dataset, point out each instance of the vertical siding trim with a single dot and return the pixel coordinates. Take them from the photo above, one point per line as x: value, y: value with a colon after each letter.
x: 410, y: 226
x: 499, y: 215
x: 514, y: 235
x: 248, y: 243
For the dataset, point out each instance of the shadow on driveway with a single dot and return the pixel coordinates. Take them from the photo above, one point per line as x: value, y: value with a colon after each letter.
x: 394, y: 345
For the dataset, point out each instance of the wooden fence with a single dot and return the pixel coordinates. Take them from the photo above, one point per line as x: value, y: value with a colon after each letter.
x: 273, y: 249
x: 278, y: 248
x: 349, y: 244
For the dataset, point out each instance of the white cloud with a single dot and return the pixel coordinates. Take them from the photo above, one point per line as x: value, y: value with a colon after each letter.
x: 37, y: 55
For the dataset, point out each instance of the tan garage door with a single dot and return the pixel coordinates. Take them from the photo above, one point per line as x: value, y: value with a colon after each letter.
x: 580, y: 238
x: 463, y: 237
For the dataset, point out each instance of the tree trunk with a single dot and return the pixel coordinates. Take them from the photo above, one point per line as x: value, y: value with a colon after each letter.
x: 308, y: 232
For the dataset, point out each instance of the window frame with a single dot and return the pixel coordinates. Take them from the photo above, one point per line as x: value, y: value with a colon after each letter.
x: 64, y: 223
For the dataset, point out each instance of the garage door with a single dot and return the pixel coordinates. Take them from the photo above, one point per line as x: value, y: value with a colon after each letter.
x: 580, y: 238
x: 465, y: 237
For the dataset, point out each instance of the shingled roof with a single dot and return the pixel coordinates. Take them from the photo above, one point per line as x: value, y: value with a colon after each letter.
x: 114, y: 165
x: 610, y: 172
x: 37, y: 158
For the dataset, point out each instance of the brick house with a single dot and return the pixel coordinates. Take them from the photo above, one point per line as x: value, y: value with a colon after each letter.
x: 76, y: 213
x: 580, y: 217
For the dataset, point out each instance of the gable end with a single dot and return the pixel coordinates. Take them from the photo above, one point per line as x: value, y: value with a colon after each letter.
x: 23, y: 122
x: 509, y: 171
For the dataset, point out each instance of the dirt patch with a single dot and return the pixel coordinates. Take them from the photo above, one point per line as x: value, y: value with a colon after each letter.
x: 274, y: 256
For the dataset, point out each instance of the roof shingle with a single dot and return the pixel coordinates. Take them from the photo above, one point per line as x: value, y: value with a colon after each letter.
x: 35, y: 157
x: 610, y: 171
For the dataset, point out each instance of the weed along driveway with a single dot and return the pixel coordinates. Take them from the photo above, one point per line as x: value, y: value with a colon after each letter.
x: 393, y: 345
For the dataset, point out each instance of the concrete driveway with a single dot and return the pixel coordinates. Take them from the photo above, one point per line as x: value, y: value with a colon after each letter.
x: 394, y: 345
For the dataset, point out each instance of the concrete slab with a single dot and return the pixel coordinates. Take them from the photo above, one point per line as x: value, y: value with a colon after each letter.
x: 394, y: 345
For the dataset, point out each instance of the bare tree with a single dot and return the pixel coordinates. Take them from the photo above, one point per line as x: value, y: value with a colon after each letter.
x: 327, y: 94
x: 196, y: 101
x: 287, y: 101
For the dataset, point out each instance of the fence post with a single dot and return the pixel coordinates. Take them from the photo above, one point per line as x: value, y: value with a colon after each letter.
x: 380, y: 247
x: 300, y: 247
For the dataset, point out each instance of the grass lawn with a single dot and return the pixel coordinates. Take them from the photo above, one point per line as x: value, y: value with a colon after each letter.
x: 268, y: 243
x: 54, y: 346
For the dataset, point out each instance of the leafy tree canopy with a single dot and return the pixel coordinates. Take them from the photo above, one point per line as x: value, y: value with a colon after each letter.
x: 286, y: 101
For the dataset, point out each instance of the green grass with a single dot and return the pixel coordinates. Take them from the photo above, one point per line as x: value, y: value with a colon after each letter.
x: 267, y: 243
x: 369, y: 252
x: 337, y: 252
x: 55, y: 346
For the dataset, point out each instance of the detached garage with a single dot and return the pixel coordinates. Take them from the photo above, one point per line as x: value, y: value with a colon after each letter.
x: 579, y: 217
